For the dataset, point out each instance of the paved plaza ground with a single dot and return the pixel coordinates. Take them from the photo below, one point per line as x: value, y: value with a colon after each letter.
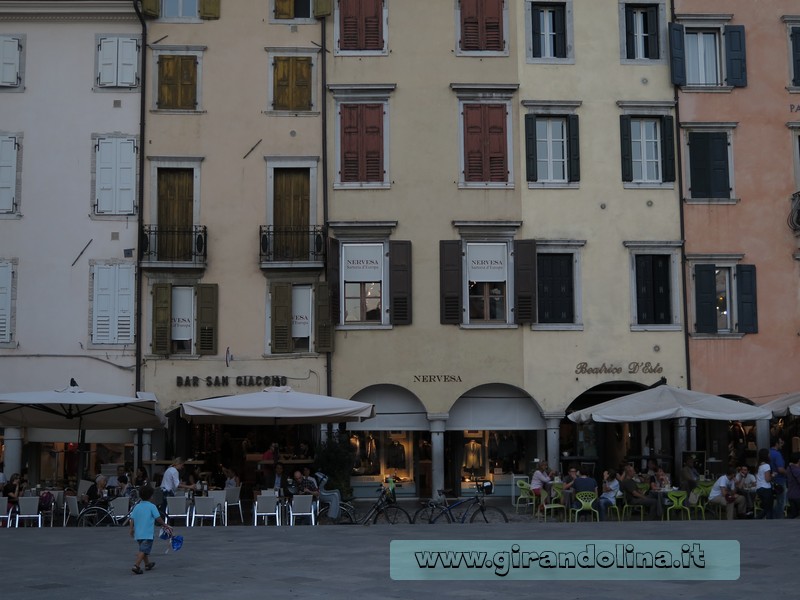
x: 352, y: 561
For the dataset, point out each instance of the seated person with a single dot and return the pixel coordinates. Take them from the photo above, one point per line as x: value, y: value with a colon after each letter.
x: 583, y: 483
x: 723, y: 494
x: 302, y: 485
x: 569, y: 478
x: 113, y: 481
x: 541, y: 479
x: 609, y: 496
x: 231, y: 478
x: 659, y: 481
x: 124, y: 488
x: 689, y: 475
x: 635, y: 497
x: 14, y: 489
x: 98, y: 491
x: 745, y: 484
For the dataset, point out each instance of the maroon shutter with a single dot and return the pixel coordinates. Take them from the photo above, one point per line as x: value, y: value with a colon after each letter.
x: 350, y: 136
x: 473, y: 143
x: 400, y: 282
x: 348, y: 24
x: 470, y: 25
x: 493, y: 25
x: 372, y: 143
x: 372, y: 23
x: 496, y: 142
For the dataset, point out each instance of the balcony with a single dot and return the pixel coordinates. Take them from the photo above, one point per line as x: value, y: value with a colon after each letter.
x: 168, y: 247
x: 291, y: 247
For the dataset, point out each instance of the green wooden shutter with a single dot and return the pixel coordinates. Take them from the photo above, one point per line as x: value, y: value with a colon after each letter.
x: 323, y: 325
x: 626, y: 147
x: 209, y: 9
x: 574, y: 149
x: 662, y: 290
x: 644, y: 289
x: 796, y: 56
x: 450, y: 282
x: 705, y: 298
x: 747, y: 309
x: 708, y: 164
x: 524, y: 281
x: 718, y: 164
x: 284, y: 9
x: 334, y: 279
x: 560, y: 30
x: 530, y: 148
x: 651, y: 20
x: 536, y: 31
x: 630, y: 39
x: 735, y: 56
x: 677, y: 54
x: 151, y: 8
x: 667, y: 148
x: 322, y: 8
x: 400, y: 282
x: 555, y: 285
x: 207, y: 309
x: 281, y: 321
x: 162, y: 318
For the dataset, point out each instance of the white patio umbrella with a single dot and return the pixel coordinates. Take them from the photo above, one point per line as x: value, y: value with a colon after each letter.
x: 275, y: 406
x: 795, y: 409
x: 667, y: 402
x: 783, y: 405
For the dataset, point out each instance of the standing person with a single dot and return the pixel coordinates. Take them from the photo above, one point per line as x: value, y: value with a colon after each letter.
x: 609, y: 496
x: 143, y: 516
x: 171, y: 482
x: 764, y: 483
x: 778, y: 466
x: 793, y: 490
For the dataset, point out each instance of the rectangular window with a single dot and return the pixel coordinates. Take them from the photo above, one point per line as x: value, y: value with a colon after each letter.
x: 712, y: 55
x: 725, y: 298
x: 362, y: 143
x: 115, y: 176
x: 648, y: 149
x: 555, y: 291
x: 641, y: 31
x: 482, y: 25
x: 6, y: 304
x: 113, y: 304
x: 172, y: 9
x: 485, y: 143
x: 487, y: 280
x: 552, y: 148
x: 549, y: 30
x: 653, y: 289
x: 10, y: 62
x: 709, y: 172
x: 362, y: 278
x: 702, y: 58
x: 360, y: 26
x: 177, y: 82
x: 292, y: 9
x: 185, y: 319
x: 117, y: 62
x: 292, y: 83
x: 9, y: 165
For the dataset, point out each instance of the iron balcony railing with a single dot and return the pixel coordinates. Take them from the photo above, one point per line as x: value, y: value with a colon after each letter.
x: 279, y: 243
x: 167, y: 244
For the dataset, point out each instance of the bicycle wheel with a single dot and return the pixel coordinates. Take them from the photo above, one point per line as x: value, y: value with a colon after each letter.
x: 345, y: 517
x: 393, y: 515
x: 488, y: 514
x: 424, y: 515
x: 442, y: 518
x: 95, y: 517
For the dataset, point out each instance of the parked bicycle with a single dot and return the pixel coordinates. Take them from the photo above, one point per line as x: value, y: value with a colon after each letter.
x: 383, y: 510
x: 96, y: 515
x: 436, y: 512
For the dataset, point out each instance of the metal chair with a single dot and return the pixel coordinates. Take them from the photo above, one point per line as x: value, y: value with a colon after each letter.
x: 28, y: 509
x: 219, y: 496
x: 71, y: 509
x: 525, y: 494
x: 178, y: 508
x: 302, y: 505
x: 587, y: 500
x: 206, y: 507
x: 5, y: 513
x: 233, y: 497
x: 678, y: 499
x: 267, y: 505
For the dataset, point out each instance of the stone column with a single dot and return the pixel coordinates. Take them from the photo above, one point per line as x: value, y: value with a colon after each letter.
x: 13, y: 455
x: 553, y: 422
x: 762, y: 434
x: 437, y: 425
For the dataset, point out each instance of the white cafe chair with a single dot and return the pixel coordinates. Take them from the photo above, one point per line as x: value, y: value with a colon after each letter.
x: 71, y: 509
x: 83, y: 487
x: 5, y: 513
x: 302, y: 505
x: 206, y: 507
x: 219, y: 497
x: 29, y: 509
x: 121, y: 506
x: 178, y: 508
x: 267, y: 505
x: 233, y: 497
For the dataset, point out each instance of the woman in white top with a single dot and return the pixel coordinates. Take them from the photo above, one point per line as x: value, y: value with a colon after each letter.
x: 764, y: 483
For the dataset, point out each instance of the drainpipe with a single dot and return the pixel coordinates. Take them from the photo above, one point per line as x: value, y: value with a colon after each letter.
x: 323, y: 104
x: 140, y: 218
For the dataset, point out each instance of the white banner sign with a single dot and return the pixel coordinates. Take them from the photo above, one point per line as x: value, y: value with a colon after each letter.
x: 301, y: 312
x: 362, y: 262
x: 182, y: 313
x: 487, y: 262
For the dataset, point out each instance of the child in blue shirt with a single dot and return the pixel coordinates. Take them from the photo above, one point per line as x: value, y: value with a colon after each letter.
x: 143, y: 516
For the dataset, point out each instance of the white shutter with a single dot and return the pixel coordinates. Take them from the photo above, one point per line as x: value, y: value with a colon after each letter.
x: 103, y: 305
x: 106, y: 175
x: 8, y: 172
x: 107, y: 62
x: 9, y: 61
x: 124, y: 320
x: 128, y: 63
x: 126, y: 176
x: 5, y: 302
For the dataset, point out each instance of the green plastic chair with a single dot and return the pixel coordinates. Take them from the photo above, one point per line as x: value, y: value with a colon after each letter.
x: 678, y: 498
x: 700, y: 506
x: 628, y: 509
x: 556, y: 495
x: 525, y: 494
x: 587, y: 499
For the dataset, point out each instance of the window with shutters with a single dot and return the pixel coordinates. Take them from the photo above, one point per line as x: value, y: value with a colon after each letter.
x: 552, y: 144
x: 184, y: 319
x: 117, y: 62
x: 12, y: 62
x: 483, y: 26
x: 647, y: 140
x: 8, y: 294
x: 558, y: 285
x: 10, y: 174
x: 655, y: 287
x: 178, y: 78
x: 112, y: 318
x: 548, y: 31
x: 706, y: 52
x: 180, y: 10
x: 793, y: 30
x: 115, y: 160
x: 292, y: 11
x: 643, y: 31
x: 724, y: 295
x: 361, y: 27
x: 299, y: 318
x: 292, y: 80
x: 709, y: 163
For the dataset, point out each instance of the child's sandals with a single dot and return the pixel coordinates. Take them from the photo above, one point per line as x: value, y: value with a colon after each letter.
x: 137, y: 570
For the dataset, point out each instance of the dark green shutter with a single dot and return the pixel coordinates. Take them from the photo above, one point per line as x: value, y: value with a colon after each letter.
x: 323, y: 325
x: 573, y: 149
x: 162, y: 318
x: 708, y: 164
x: 735, y: 56
x: 209, y: 9
x: 705, y: 298
x: 322, y: 8
x: 667, y: 148
x: 400, y: 282
x: 151, y: 8
x: 677, y: 54
x: 281, y: 318
x: 720, y: 183
x: 796, y: 56
x: 530, y: 148
x: 524, y: 281
x: 746, y: 299
x: 450, y: 282
x: 207, y: 309
x: 333, y: 277
x: 651, y: 17
x: 560, y: 27
x: 644, y: 289
x: 662, y: 290
x: 555, y: 288
x: 626, y: 148
x: 536, y: 14
x: 630, y: 40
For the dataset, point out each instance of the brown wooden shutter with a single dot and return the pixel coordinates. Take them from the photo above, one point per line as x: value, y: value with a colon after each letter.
x: 493, y: 25
x: 372, y: 15
x: 400, y: 282
x: 167, y: 81
x: 524, y: 281
x: 450, y: 282
x: 473, y: 143
x: 496, y: 142
x: 292, y: 83
x: 151, y: 8
x: 334, y: 279
x: 349, y: 24
x: 301, y: 99
x: 281, y: 321
x: 188, y: 83
x: 371, y: 159
x: 207, y: 309
x: 284, y: 9
x: 282, y: 83
x: 209, y: 9
x: 349, y: 115
x: 323, y: 325
x: 162, y: 318
x: 470, y: 25
x: 177, y: 82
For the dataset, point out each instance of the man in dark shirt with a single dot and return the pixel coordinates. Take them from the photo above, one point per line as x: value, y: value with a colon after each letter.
x: 635, y: 497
